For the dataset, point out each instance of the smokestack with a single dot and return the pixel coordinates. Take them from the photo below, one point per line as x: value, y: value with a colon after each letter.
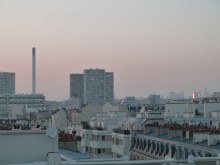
x: 33, y: 72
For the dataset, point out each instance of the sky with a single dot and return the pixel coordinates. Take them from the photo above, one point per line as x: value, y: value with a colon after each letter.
x: 152, y: 46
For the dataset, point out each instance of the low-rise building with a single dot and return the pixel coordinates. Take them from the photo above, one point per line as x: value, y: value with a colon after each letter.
x: 14, y: 106
x: 189, y: 127
x: 97, y: 135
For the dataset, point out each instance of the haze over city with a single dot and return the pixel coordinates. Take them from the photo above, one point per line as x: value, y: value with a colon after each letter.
x: 151, y: 46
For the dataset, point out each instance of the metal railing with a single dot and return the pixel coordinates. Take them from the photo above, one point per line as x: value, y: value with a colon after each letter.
x: 167, y: 161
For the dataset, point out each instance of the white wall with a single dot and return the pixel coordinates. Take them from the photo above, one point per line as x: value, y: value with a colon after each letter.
x: 108, y: 107
x: 25, y: 147
x: 213, y: 139
x: 17, y: 110
x: 211, y: 107
x: 199, y: 137
x: 121, y: 149
x: 172, y: 109
x: 89, y: 112
x: 215, y: 114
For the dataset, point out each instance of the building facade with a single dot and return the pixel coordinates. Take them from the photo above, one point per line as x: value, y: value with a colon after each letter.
x: 94, y: 86
x: 109, y: 81
x: 97, y: 143
x: 97, y: 139
x: 24, y: 99
x: 76, y: 86
x: 13, y: 105
x: 7, y: 83
x: 189, y: 127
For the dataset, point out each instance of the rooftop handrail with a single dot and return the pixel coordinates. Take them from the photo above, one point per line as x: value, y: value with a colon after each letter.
x: 191, y: 160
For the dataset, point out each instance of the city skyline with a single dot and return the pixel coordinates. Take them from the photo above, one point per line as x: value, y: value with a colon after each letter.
x: 150, y: 46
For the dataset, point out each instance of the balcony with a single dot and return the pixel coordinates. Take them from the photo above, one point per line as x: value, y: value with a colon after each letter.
x: 120, y: 150
x: 100, y: 144
x: 121, y: 131
x: 85, y: 143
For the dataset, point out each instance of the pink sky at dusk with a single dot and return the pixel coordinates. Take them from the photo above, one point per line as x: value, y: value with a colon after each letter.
x: 152, y: 46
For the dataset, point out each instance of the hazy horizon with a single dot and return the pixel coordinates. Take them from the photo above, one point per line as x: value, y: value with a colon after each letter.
x: 152, y: 46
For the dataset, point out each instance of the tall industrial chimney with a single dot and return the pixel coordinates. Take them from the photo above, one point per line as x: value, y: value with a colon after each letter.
x: 33, y: 72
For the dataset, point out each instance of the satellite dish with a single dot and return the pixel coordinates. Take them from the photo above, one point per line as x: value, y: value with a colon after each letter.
x: 51, y: 132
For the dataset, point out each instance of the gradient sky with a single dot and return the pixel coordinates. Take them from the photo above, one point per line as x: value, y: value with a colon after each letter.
x: 152, y: 46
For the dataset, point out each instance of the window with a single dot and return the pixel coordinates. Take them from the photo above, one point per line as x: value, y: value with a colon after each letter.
x: 119, y: 156
x: 120, y: 142
x: 117, y: 141
x: 103, y: 137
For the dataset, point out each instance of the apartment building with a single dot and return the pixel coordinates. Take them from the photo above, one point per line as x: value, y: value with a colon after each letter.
x: 189, y: 127
x: 97, y: 135
x: 76, y: 86
x: 94, y: 86
x: 7, y: 83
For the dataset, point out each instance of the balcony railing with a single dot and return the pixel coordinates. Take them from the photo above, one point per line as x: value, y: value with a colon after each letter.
x: 167, y: 161
x: 121, y: 131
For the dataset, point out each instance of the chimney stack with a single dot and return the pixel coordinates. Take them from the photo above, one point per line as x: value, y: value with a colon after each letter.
x: 33, y: 72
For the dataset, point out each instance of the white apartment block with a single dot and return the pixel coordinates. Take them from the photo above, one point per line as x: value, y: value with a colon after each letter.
x: 97, y: 140
x: 98, y: 86
x: 97, y: 143
x: 120, y: 145
x: 114, y: 128
x: 121, y: 137
x: 94, y: 86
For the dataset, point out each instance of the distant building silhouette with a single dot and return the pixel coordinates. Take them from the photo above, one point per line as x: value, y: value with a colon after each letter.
x: 7, y: 83
x: 176, y: 95
x: 129, y: 102
x: 94, y: 86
